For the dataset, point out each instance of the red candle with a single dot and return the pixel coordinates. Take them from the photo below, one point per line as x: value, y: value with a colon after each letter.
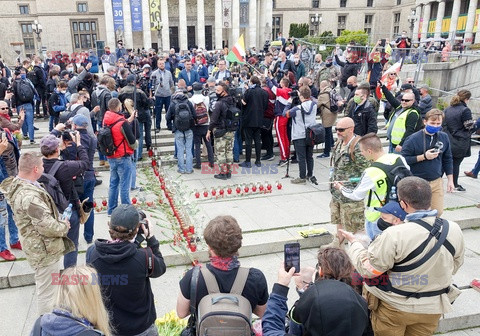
x: 197, y: 194
x: 154, y: 163
x: 279, y: 186
x: 221, y: 191
x: 246, y: 189
x: 150, y: 153
x: 214, y: 192
x: 104, y: 202
x: 205, y: 193
x: 134, y: 200
x: 269, y: 187
x: 193, y: 247
x: 94, y: 204
x: 261, y: 187
x: 254, y: 188
x: 238, y: 190
x: 229, y: 190
x: 191, y: 228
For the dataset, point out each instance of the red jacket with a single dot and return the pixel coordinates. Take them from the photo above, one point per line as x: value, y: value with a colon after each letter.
x: 119, y: 137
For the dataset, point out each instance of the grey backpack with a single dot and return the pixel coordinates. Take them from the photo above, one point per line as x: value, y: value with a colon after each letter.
x: 224, y: 314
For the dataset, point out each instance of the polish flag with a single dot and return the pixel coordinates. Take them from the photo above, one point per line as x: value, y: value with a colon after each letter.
x: 237, y: 54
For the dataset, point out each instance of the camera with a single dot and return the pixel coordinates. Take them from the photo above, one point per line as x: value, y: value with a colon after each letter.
x: 438, y: 147
x: 140, y: 234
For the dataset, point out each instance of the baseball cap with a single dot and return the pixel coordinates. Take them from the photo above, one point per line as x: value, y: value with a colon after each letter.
x: 50, y: 141
x: 63, y: 73
x: 329, y: 58
x: 197, y: 86
x: 125, y: 216
x: 80, y: 120
x: 393, y: 208
x: 146, y: 66
x: 131, y: 78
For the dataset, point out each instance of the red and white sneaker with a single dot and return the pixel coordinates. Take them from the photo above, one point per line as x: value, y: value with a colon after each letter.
x: 475, y: 284
x: 7, y: 255
x: 16, y: 246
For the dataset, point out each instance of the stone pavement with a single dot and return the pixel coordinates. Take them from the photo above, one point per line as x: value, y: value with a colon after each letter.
x: 268, y: 221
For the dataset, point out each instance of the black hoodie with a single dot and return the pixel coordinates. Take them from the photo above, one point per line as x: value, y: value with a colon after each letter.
x: 125, y: 281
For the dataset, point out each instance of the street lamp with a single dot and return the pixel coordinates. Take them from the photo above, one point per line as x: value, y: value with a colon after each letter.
x: 37, y: 29
x: 412, y: 18
x: 316, y: 20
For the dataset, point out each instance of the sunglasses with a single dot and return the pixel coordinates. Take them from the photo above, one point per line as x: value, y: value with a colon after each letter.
x: 3, y: 108
x: 411, y: 82
x: 342, y: 129
x: 406, y: 100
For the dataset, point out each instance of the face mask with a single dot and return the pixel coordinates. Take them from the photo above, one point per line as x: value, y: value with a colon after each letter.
x: 70, y: 69
x: 23, y: 76
x: 382, y: 224
x: 433, y: 129
x: 328, y: 65
x: 219, y: 95
x: 357, y: 99
x: 350, y: 86
x: 63, y: 91
x: 297, y: 61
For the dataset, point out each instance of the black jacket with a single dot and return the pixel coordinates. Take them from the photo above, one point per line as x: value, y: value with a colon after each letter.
x: 41, y: 83
x: 125, y: 280
x: 219, y: 114
x: 458, y: 124
x: 256, y: 102
x: 67, y: 171
x: 178, y: 98
x: 143, y: 103
x: 364, y: 117
x: 348, y: 69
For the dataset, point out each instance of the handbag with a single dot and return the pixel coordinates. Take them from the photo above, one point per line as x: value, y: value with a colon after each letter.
x: 84, y: 210
x: 315, y: 134
x: 190, y: 329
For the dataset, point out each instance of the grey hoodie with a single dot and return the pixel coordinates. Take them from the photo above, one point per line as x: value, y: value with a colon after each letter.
x: 298, y: 127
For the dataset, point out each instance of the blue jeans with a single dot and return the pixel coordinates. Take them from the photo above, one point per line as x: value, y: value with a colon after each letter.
x: 145, y: 131
x: 101, y: 157
x: 120, y: 176
x: 161, y: 102
x: 27, y: 126
x: 184, y: 143
x: 53, y: 121
x: 6, y: 216
x: 237, y: 145
x: 371, y: 228
x: 88, y: 186
x: 70, y: 259
x: 476, y: 169
x: 328, y: 140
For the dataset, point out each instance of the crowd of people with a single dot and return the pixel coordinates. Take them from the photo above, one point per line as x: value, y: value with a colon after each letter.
x: 386, y: 205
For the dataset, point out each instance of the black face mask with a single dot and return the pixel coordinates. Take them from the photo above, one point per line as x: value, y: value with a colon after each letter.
x: 350, y: 86
x: 382, y: 224
x: 328, y: 65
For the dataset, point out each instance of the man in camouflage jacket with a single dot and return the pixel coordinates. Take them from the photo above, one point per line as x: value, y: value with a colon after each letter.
x: 346, y: 162
x: 44, y: 235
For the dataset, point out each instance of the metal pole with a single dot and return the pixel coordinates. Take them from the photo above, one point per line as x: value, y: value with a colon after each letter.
x: 419, y: 64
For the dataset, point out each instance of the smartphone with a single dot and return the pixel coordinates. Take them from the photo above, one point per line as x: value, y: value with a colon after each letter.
x: 292, y: 256
x: 382, y: 44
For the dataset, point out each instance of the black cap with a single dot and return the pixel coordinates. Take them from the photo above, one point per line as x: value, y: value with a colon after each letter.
x: 63, y: 73
x: 126, y: 216
x: 131, y: 78
x: 197, y: 86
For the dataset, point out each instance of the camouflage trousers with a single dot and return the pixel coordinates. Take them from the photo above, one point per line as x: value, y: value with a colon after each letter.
x: 350, y: 215
x: 224, y: 151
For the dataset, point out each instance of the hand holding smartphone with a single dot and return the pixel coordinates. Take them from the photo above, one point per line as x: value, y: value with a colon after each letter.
x: 292, y: 256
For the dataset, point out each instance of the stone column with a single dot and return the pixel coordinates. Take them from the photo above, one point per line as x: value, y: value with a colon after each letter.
x: 182, y: 26
x: 235, y: 23
x: 416, y: 24
x: 165, y: 25
x: 218, y: 25
x: 468, y: 38
x: 201, y: 24
x: 426, y: 17
x: 252, y: 24
x: 438, y: 22
x: 147, y: 34
x: 268, y: 20
x: 127, y: 23
x: 110, y: 38
x: 454, y: 19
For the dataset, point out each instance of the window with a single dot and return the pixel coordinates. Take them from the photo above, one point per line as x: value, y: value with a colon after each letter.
x: 315, y: 3
x: 368, y: 30
x: 368, y: 19
x: 396, y: 18
x: 399, y: 2
x: 396, y: 30
x: 342, y: 20
x: 276, y: 26
x: 84, y: 34
x: 339, y: 31
x: 82, y: 7
x: 24, y: 9
x: 27, y: 35
x: 369, y: 3
x: 343, y: 3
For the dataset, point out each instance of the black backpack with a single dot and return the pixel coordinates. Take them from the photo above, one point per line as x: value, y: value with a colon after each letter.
x: 25, y: 91
x: 32, y: 76
x: 183, y: 117
x: 52, y: 186
x: 232, y: 118
x: 67, y: 114
x: 394, y: 173
x: 315, y: 134
x: 333, y: 101
x: 105, y: 143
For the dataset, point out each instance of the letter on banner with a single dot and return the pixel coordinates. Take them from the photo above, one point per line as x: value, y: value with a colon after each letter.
x: 155, y: 17
x: 227, y: 13
x: 117, y: 10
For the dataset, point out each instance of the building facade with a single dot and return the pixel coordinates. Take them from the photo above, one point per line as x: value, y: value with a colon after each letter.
x: 75, y: 26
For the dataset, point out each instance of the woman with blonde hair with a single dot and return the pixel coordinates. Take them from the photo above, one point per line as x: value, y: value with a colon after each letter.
x: 79, y: 308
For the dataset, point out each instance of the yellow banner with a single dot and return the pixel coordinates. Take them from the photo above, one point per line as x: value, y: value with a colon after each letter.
x: 155, y: 17
x: 461, y: 23
x: 431, y: 26
x: 477, y: 20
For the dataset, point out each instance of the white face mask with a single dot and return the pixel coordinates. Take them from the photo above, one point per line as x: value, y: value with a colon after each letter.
x: 63, y: 91
x: 70, y: 69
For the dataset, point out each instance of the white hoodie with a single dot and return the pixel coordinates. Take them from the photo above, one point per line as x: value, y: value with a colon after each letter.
x: 197, y: 98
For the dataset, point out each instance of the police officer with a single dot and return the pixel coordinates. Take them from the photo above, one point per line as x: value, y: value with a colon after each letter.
x: 347, y: 162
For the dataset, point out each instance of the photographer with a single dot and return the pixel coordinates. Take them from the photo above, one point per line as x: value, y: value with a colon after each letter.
x: 130, y: 300
x: 51, y: 148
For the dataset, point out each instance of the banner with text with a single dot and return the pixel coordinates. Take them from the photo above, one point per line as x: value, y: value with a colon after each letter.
x: 226, y: 13
x: 117, y: 10
x: 155, y: 16
x: 137, y: 17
